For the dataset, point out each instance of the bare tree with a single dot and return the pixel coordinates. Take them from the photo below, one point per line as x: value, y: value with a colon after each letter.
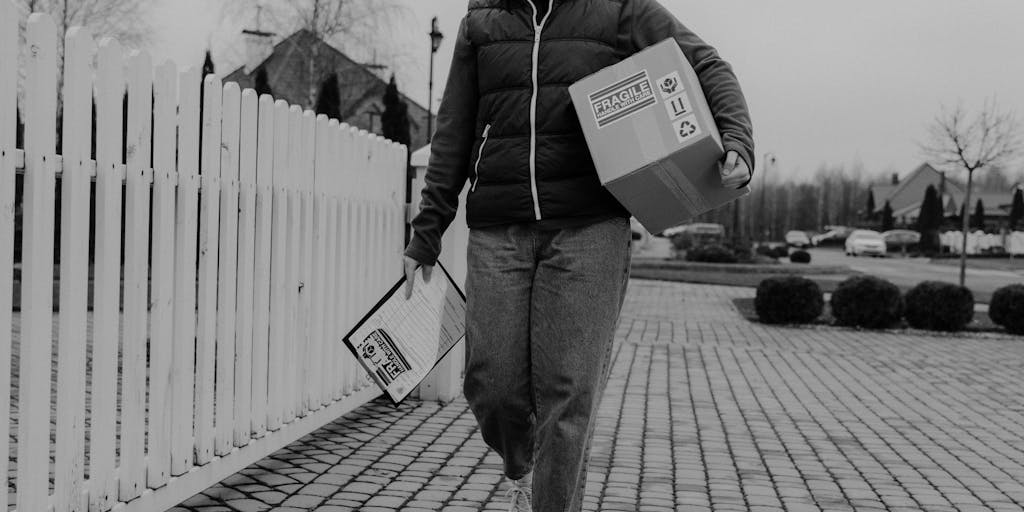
x: 122, y: 19
x: 364, y: 29
x: 988, y: 139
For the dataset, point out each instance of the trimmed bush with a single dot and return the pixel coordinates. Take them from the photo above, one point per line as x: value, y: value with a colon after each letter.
x: 711, y: 254
x: 938, y: 306
x: 800, y: 257
x: 1007, y: 308
x: 780, y: 251
x: 867, y: 301
x: 764, y: 250
x: 788, y: 300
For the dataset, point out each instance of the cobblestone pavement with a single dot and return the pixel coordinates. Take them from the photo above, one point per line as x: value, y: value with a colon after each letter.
x: 705, y: 411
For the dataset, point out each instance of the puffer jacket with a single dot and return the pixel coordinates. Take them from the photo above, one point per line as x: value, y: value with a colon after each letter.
x: 508, y: 126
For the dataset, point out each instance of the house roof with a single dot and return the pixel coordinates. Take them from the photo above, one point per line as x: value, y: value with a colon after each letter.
x: 905, y: 197
x: 356, y: 81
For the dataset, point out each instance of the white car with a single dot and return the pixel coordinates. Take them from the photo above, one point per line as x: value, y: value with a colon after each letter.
x: 865, y: 241
x: 798, y: 239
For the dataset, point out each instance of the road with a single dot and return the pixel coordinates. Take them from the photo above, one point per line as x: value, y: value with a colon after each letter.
x: 907, y: 272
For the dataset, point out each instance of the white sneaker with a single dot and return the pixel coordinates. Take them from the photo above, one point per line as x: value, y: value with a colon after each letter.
x: 521, y: 494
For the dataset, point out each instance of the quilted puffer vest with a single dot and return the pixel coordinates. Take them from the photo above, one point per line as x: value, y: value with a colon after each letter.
x: 530, y: 160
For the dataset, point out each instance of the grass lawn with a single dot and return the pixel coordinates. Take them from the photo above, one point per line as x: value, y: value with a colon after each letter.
x: 981, y: 323
x: 1016, y: 264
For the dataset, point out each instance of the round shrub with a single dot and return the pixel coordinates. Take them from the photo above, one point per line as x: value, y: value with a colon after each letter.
x: 1007, y: 308
x: 938, y: 306
x: 788, y: 300
x: 867, y: 301
x: 711, y: 254
x: 764, y: 250
x: 800, y: 257
x: 780, y: 251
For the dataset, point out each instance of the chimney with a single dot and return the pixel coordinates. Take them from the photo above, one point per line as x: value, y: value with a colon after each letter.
x: 258, y: 46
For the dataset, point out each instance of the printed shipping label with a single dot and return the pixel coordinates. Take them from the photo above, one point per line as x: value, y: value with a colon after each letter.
x: 670, y: 84
x: 686, y: 128
x: 678, y: 106
x: 622, y: 99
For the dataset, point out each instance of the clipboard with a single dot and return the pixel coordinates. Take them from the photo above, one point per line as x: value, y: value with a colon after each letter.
x: 398, y: 342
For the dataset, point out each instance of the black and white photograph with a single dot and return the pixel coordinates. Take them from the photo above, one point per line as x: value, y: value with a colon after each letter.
x: 512, y: 255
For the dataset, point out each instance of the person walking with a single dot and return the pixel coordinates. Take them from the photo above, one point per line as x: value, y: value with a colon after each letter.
x: 549, y: 247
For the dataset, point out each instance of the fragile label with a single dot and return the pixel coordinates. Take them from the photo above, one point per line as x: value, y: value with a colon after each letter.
x: 670, y: 84
x: 622, y: 99
x: 678, y: 106
x: 686, y: 128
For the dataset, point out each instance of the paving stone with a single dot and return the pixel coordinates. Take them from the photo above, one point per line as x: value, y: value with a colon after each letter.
x: 706, y: 411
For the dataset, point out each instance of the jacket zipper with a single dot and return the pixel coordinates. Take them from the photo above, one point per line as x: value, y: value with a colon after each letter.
x: 479, y: 156
x: 537, y: 29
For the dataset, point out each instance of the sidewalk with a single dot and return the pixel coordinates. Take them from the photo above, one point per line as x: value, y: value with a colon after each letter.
x: 704, y: 411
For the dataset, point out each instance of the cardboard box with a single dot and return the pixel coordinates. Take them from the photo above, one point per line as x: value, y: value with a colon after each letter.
x: 653, y: 138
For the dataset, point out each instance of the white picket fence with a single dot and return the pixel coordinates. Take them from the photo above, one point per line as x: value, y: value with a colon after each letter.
x: 258, y: 260
x: 980, y: 242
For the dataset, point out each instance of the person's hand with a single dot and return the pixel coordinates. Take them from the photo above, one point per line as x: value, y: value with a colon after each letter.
x: 734, y: 171
x: 410, y: 274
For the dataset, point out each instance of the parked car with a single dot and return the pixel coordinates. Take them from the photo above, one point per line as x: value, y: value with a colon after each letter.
x: 834, y: 236
x: 897, y: 238
x: 865, y: 241
x: 798, y: 239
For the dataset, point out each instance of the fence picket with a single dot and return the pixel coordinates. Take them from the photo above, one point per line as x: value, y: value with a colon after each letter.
x: 262, y: 263
x: 227, y: 273
x: 165, y: 98
x: 326, y: 176
x: 74, y: 271
x: 107, y: 274
x: 209, y: 228
x: 292, y: 353
x: 307, y: 154
x: 136, y: 256
x: 279, y: 287
x: 37, y: 265
x: 8, y: 105
x: 185, y: 246
x: 246, y: 262
x: 315, y: 360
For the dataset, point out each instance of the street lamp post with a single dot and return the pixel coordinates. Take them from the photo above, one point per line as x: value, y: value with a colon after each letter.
x: 435, y: 42
x: 765, y: 220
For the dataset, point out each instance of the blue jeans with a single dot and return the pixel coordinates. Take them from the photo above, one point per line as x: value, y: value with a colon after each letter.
x: 542, y: 309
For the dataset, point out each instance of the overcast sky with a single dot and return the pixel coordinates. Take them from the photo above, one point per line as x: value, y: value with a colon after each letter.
x: 827, y: 81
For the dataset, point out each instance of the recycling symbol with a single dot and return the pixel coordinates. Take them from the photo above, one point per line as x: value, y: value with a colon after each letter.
x: 686, y: 129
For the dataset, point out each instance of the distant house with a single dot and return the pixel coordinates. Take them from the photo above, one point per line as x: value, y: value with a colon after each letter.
x: 292, y: 62
x: 906, y: 195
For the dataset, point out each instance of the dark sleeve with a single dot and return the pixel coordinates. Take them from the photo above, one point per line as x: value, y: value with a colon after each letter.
x: 449, y: 154
x: 648, y: 23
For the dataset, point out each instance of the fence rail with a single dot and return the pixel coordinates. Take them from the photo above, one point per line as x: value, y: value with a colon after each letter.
x: 248, y: 251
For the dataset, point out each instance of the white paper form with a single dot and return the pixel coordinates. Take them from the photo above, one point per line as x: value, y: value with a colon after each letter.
x: 399, y: 341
